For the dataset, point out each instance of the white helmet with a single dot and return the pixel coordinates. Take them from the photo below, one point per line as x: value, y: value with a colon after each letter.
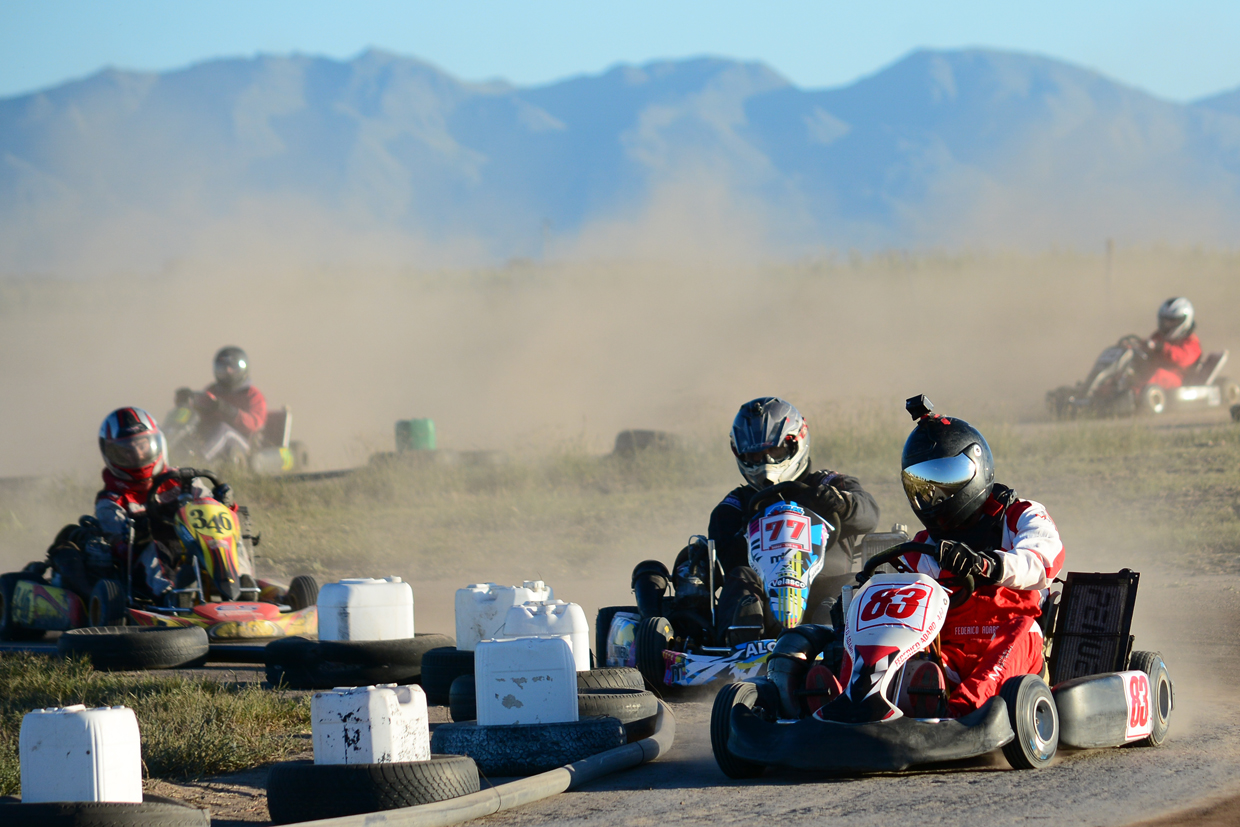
x: 1175, y: 319
x: 771, y: 441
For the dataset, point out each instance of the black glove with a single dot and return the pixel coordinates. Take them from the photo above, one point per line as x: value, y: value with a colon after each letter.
x: 206, y: 403
x: 141, y: 530
x: 184, y: 397
x: 831, y: 500
x: 964, y: 561
x: 223, y: 493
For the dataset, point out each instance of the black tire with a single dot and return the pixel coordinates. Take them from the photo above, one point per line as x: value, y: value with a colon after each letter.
x: 743, y: 694
x: 1034, y: 719
x: 151, y: 812
x: 463, y: 699
x: 107, y: 604
x: 303, y: 592
x: 306, y: 792
x: 526, y: 749
x: 1162, y: 695
x: 301, y: 663
x: 1153, y: 401
x: 610, y: 677
x: 122, y: 648
x: 8, y: 629
x: 440, y: 667
x: 653, y: 636
x: 602, y: 627
x: 635, y: 708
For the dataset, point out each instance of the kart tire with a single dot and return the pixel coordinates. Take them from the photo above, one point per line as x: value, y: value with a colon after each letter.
x: 635, y: 708
x: 107, y: 605
x: 299, y: 792
x: 602, y: 628
x: 1162, y: 695
x: 440, y: 668
x: 528, y: 749
x: 1153, y: 401
x: 152, y: 811
x: 1034, y: 719
x: 301, y: 663
x: 745, y: 694
x: 652, y: 637
x: 463, y: 699
x: 610, y: 677
x: 301, y: 457
x: 1235, y: 413
x: 303, y: 592
x: 1229, y: 392
x: 9, y: 630
x: 125, y: 648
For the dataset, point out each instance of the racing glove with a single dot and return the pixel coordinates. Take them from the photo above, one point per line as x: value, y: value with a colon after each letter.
x: 961, y: 560
x: 206, y: 402
x: 832, y: 500
x: 223, y: 493
x: 184, y: 397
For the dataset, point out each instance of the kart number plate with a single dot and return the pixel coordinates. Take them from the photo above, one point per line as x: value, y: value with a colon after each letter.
x: 905, y: 606
x: 784, y: 532
x: 1140, y: 710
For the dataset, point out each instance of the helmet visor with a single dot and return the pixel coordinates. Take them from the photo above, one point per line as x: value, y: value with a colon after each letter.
x: 1169, y: 324
x: 769, y: 456
x: 931, y: 482
x: 133, y: 452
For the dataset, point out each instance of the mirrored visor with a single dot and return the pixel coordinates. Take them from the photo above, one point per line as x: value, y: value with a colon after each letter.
x: 769, y: 456
x: 1166, y: 325
x: 136, y: 451
x: 931, y: 482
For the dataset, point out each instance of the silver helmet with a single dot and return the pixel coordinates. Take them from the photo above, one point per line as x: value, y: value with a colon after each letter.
x: 1176, y: 319
x: 771, y: 441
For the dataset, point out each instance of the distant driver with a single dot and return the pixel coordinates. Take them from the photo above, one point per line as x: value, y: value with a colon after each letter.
x: 233, y: 411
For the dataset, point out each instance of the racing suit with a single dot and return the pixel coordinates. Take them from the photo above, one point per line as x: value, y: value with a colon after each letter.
x: 230, y: 419
x: 742, y: 601
x: 122, y: 499
x: 994, y: 635
x: 1169, y: 361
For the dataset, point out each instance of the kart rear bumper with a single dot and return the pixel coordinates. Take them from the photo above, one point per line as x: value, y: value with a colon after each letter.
x: 881, y: 746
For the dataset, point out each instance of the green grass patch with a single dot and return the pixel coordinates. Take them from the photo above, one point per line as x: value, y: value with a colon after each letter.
x: 191, y: 727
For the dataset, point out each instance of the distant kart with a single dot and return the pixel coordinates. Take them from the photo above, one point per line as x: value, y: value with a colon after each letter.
x: 787, y: 547
x: 273, y: 451
x: 1102, y: 696
x: 1112, y: 387
x: 215, y: 587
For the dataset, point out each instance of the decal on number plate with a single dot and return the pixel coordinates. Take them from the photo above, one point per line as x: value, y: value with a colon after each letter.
x: 1140, y: 710
x: 894, y: 606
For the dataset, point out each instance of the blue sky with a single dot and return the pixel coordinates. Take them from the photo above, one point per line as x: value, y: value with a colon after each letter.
x: 1177, y: 50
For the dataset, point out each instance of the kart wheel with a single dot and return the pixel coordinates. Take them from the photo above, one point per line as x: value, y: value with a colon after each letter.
x: 9, y: 630
x: 1153, y: 401
x: 122, y: 648
x: 107, y: 604
x: 653, y: 636
x: 303, y: 592
x: 527, y: 749
x: 602, y: 629
x: 1229, y: 391
x: 1034, y: 719
x: 301, y: 457
x: 1162, y: 695
x: 308, y: 792
x: 734, y: 694
x: 610, y: 677
x: 440, y: 667
x: 635, y: 708
x: 152, y: 811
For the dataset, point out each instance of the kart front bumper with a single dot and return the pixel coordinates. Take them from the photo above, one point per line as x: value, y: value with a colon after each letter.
x: 880, y: 746
x: 286, y: 624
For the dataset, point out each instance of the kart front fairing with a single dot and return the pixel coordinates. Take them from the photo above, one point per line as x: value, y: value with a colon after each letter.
x: 236, y: 621
x: 787, y: 545
x: 698, y: 668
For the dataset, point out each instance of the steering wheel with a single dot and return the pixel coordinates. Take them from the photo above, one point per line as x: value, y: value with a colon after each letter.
x: 962, y: 587
x: 775, y: 493
x: 1136, y: 344
x: 185, y: 477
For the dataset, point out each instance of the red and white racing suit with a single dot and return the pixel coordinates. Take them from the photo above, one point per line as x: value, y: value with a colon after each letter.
x: 1170, y: 360
x: 994, y: 635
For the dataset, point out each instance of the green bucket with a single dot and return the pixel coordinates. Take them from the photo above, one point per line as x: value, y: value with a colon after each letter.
x: 415, y: 435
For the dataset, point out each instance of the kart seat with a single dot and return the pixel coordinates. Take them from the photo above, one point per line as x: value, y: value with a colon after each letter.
x: 1207, y: 369
x: 279, y: 428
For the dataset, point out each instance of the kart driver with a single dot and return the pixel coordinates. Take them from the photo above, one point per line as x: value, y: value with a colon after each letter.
x: 1010, y: 546
x: 233, y: 411
x: 771, y: 442
x: 1174, y: 347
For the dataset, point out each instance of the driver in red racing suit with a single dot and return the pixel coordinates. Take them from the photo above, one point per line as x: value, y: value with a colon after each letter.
x: 1174, y: 347
x: 1010, y: 546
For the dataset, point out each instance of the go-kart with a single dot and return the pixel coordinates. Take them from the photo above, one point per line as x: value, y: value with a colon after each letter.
x: 215, y: 587
x: 1103, y: 694
x: 272, y: 451
x: 788, y: 547
x: 1115, y: 386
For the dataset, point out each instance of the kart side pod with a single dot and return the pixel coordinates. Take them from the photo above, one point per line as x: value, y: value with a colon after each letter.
x: 1107, y: 710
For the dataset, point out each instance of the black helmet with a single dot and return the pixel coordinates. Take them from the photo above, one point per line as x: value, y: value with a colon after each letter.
x: 770, y: 440
x: 232, y: 368
x: 947, y: 469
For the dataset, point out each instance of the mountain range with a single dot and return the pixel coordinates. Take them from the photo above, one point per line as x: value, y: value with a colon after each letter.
x: 955, y: 148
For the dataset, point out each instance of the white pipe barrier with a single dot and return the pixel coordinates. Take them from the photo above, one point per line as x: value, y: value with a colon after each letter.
x: 516, y: 793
